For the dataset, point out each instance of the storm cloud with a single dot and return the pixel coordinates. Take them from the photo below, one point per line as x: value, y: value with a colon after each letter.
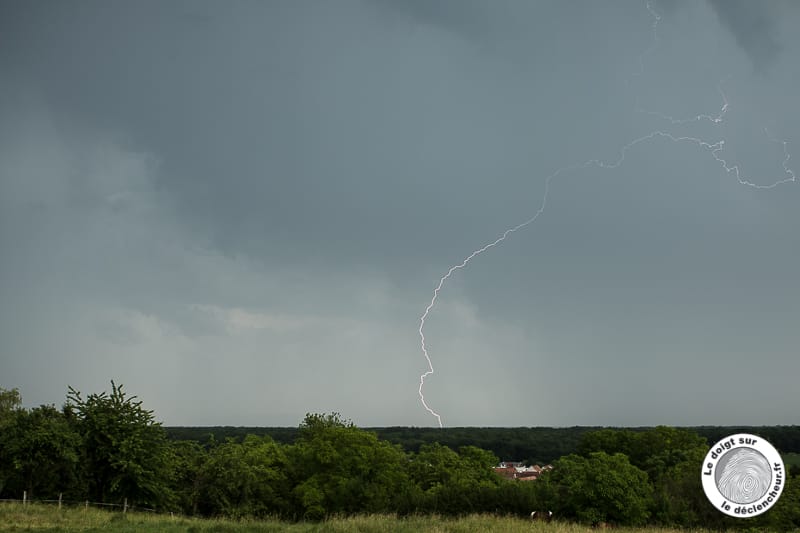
x: 240, y: 211
x: 754, y: 27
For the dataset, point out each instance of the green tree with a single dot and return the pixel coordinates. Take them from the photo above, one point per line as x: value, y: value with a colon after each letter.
x: 671, y: 457
x: 125, y: 451
x: 434, y: 465
x: 455, y: 483
x: 599, y: 488
x: 679, y: 499
x: 337, y: 468
x: 662, y: 448
x: 785, y: 516
x: 10, y: 402
x: 608, y: 440
x: 188, y: 461
x: 41, y: 448
x: 519, y: 498
x: 655, y: 450
x: 244, y: 479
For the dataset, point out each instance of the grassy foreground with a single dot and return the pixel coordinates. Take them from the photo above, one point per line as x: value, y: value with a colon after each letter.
x: 43, y: 517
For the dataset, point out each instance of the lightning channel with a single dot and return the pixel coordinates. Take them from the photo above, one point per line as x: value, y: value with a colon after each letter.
x: 715, y: 148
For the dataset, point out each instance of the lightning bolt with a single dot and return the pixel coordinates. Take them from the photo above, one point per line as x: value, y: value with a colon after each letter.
x: 680, y: 121
x: 715, y: 149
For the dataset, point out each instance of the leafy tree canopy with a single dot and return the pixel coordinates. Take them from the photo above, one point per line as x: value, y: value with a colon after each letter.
x: 599, y: 488
x: 247, y: 479
x: 655, y: 450
x: 41, y: 452
x: 10, y: 401
x: 125, y: 451
x: 339, y: 468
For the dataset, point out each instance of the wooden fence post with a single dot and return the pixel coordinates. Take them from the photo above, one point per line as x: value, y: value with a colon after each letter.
x: 125, y: 506
x: 59, y: 500
x: 86, y: 506
x: 24, y: 498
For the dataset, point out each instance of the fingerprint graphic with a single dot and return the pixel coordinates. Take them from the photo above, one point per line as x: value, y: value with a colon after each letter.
x: 743, y: 475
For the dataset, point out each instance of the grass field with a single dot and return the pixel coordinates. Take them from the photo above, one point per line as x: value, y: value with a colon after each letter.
x: 45, y: 517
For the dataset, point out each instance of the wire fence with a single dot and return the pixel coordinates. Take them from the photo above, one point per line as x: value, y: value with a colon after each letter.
x: 124, y: 507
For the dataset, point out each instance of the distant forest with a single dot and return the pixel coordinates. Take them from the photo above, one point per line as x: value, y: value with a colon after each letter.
x: 532, y: 445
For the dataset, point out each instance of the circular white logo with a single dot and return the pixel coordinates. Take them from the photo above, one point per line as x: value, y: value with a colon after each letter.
x: 743, y: 475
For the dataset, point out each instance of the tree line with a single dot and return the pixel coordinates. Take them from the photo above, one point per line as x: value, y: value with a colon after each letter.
x: 531, y: 445
x: 538, y: 445
x: 107, y: 447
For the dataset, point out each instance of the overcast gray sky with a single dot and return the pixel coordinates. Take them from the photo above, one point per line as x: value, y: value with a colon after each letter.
x: 240, y: 210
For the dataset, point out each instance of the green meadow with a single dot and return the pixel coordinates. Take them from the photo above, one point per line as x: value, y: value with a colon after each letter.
x: 48, y: 517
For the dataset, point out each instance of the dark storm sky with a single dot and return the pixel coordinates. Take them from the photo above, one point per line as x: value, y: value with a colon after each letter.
x: 240, y: 209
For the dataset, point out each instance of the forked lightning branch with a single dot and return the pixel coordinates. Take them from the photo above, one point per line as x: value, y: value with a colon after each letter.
x: 715, y: 148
